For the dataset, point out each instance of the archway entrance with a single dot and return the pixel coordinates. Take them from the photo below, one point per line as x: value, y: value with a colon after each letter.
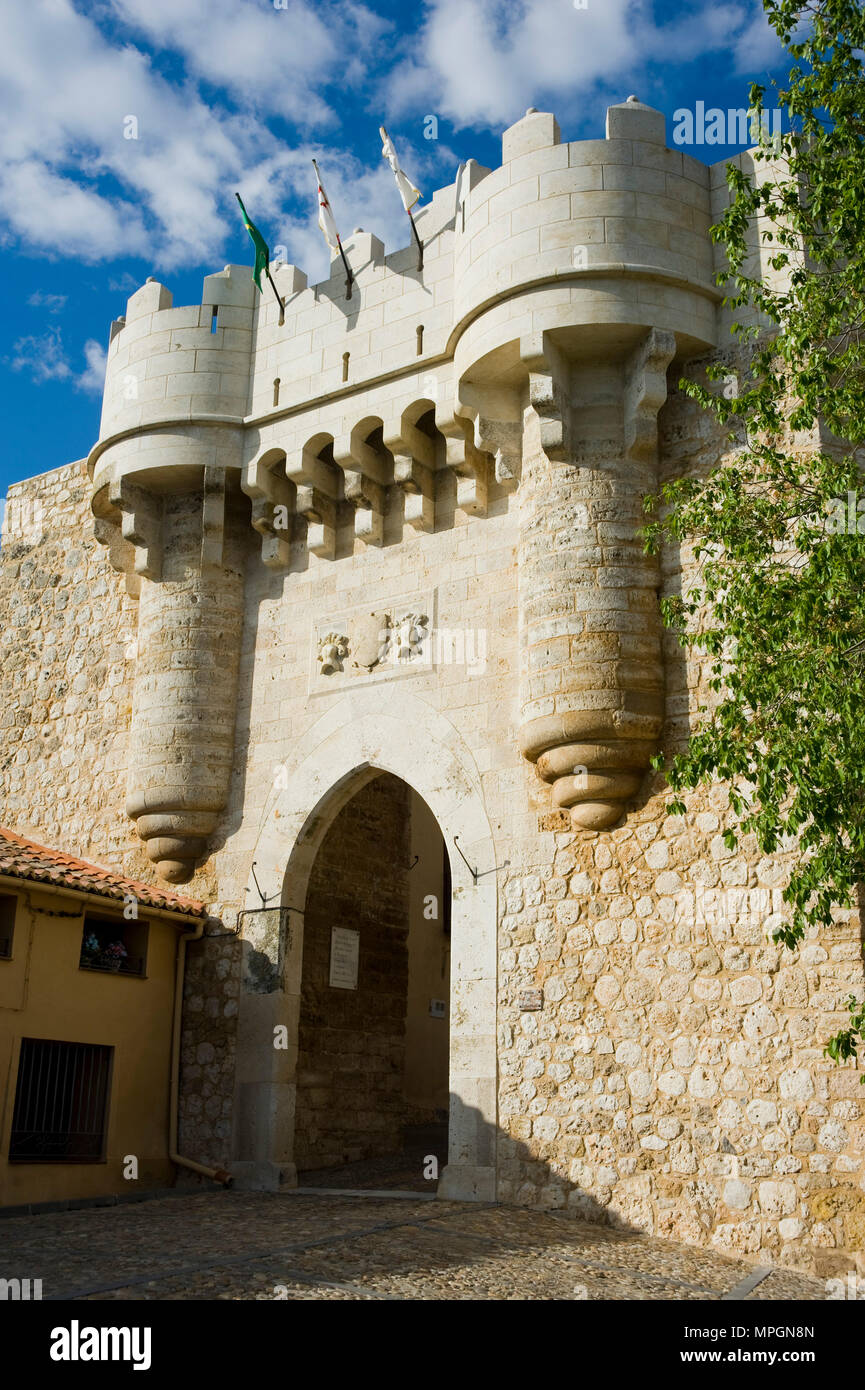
x: 374, y: 731
x: 373, y: 1055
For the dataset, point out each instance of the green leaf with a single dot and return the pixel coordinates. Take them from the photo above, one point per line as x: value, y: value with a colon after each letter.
x: 773, y: 605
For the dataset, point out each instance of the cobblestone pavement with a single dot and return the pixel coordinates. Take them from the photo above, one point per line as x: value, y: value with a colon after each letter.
x: 404, y: 1169
x: 226, y: 1245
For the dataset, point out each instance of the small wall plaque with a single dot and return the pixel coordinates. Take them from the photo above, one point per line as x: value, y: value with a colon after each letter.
x: 531, y: 999
x: 437, y: 1008
x: 344, y: 954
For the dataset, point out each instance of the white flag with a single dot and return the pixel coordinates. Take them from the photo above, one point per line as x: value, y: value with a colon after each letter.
x: 325, y: 214
x: 407, y: 190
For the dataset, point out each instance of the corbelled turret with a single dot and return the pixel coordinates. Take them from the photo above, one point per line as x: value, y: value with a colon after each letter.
x: 525, y: 365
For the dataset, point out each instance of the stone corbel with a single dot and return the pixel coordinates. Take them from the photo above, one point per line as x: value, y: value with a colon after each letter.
x: 466, y: 461
x: 318, y: 484
x: 646, y: 392
x: 497, y: 429
x: 121, y: 555
x: 140, y: 525
x: 272, y: 499
x: 321, y: 516
x: 549, y: 383
x: 414, y: 464
x: 367, y: 476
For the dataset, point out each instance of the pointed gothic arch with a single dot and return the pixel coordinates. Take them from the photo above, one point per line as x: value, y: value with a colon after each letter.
x: 370, y: 731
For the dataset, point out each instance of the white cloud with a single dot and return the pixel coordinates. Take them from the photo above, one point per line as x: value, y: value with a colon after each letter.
x: 70, y: 182
x: 123, y: 284
x: 482, y: 62
x: 270, y: 58
x: 92, y: 379
x: 72, y: 185
x: 41, y: 299
x: 44, y: 358
x: 758, y: 46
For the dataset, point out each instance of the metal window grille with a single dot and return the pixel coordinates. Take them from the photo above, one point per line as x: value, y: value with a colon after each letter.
x: 132, y: 965
x: 61, y: 1102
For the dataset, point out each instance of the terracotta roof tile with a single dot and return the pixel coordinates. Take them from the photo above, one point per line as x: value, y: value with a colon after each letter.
x: 20, y: 858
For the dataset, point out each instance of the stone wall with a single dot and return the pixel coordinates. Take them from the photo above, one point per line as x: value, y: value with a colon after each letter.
x: 675, y: 1079
x: 208, y: 1049
x: 67, y: 653
x: 675, y: 1075
x: 350, y: 1073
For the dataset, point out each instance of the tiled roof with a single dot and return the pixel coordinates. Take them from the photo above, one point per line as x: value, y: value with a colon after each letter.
x: 20, y: 858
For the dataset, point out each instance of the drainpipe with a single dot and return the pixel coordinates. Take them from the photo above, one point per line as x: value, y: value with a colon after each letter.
x: 215, y: 1174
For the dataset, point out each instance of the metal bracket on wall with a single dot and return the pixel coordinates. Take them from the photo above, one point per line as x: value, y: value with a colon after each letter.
x: 474, y: 873
x: 264, y: 900
x: 284, y: 920
x: 284, y: 924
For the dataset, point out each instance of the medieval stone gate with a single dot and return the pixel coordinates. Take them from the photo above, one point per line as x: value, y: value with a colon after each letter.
x: 380, y: 732
x: 401, y: 535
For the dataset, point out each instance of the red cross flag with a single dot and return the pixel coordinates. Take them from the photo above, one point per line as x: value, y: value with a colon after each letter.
x: 327, y: 223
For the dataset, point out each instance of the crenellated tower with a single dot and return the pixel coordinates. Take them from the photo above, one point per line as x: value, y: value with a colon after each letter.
x: 166, y: 491
x: 524, y: 368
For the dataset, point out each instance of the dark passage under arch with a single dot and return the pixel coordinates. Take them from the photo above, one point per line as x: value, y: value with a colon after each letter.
x: 373, y: 1038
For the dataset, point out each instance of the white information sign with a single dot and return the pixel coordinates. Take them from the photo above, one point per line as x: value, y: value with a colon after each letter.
x: 344, y: 953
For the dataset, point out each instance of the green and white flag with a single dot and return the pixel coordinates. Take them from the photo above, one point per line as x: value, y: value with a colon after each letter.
x: 262, y: 254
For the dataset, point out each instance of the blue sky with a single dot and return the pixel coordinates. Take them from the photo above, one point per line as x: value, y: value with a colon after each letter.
x: 230, y: 94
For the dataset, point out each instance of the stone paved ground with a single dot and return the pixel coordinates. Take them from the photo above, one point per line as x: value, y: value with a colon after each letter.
x: 404, y: 1169
x: 226, y: 1245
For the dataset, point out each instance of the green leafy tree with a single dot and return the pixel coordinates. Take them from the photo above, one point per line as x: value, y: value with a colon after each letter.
x: 778, y: 601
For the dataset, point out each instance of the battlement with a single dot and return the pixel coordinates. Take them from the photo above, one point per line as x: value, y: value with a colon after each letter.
x: 580, y: 245
x: 550, y: 211
x: 531, y: 351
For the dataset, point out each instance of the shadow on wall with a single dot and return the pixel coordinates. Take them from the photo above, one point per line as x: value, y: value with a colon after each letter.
x: 527, y: 1176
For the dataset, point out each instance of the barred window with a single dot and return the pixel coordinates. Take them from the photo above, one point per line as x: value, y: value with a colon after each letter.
x: 61, y: 1102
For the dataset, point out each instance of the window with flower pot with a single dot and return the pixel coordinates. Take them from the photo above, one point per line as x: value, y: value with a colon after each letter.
x: 114, y: 945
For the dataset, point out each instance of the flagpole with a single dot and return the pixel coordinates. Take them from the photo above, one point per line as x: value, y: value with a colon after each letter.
x: 391, y: 157
x: 417, y: 239
x: 349, y: 278
x: 280, y: 301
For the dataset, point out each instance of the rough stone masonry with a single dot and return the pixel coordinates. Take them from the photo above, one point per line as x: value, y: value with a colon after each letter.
x: 398, y: 534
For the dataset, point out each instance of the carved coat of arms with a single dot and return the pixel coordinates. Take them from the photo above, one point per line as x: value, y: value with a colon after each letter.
x: 369, y: 639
